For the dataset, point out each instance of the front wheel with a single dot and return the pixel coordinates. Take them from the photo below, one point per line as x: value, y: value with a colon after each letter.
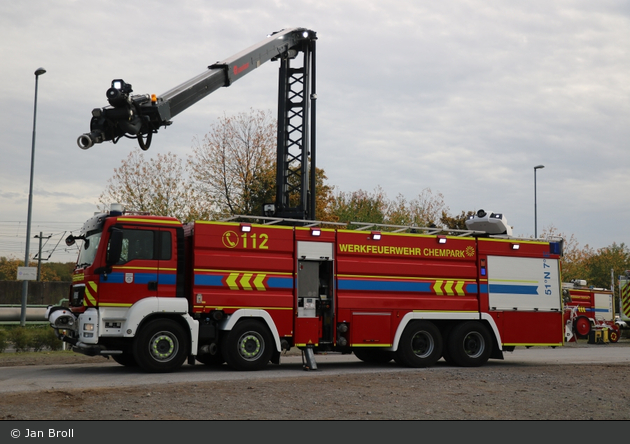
x: 248, y: 346
x: 126, y: 359
x: 161, y: 346
x: 420, y: 345
x: 470, y: 344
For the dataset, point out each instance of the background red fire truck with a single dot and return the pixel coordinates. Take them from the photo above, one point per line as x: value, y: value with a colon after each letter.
x: 589, y: 313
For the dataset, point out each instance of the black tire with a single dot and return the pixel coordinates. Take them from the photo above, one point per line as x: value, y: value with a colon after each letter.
x: 469, y: 344
x: 373, y: 355
x: 248, y: 346
x: 420, y: 345
x: 211, y: 359
x: 446, y: 333
x: 126, y: 359
x: 161, y: 346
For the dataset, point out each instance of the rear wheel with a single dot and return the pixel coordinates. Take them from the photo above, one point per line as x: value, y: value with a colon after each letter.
x: 469, y: 344
x: 248, y: 346
x: 373, y: 356
x: 161, y: 346
x: 420, y: 345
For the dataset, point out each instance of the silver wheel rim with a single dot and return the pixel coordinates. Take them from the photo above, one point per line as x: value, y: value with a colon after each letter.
x: 474, y: 344
x: 163, y: 346
x: 251, y: 346
x: 422, y: 344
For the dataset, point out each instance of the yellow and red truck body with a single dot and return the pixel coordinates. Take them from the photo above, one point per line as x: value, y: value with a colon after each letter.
x: 241, y: 292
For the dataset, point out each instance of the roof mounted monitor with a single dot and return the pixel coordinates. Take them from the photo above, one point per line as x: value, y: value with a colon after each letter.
x: 489, y: 222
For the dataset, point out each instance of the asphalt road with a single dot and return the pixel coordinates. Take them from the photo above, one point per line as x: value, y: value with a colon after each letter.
x: 106, y: 373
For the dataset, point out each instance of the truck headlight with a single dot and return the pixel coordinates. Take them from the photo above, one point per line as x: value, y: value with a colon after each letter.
x: 88, y: 327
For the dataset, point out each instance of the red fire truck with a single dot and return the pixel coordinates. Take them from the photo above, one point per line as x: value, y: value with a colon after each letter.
x: 153, y: 292
x: 589, y: 313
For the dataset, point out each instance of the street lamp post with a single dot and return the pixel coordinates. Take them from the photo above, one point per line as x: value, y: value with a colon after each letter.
x: 537, y: 167
x: 38, y: 73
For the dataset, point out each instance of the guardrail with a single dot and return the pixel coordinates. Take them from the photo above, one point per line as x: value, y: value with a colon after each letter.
x: 35, y: 314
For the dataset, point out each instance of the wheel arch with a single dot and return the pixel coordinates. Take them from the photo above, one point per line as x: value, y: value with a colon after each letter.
x: 229, y: 323
x: 149, y: 309
x: 444, y: 318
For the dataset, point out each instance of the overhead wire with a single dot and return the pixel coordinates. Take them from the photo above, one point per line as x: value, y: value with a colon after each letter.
x: 13, y: 240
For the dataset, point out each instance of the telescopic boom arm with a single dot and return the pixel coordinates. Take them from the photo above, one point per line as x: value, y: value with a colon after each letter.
x: 139, y: 116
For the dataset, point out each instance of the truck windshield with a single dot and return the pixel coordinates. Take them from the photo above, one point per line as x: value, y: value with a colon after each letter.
x: 88, y: 250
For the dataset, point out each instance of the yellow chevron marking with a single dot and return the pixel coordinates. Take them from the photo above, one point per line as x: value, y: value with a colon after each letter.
x: 437, y: 287
x: 258, y: 282
x: 91, y: 290
x: 459, y: 288
x: 88, y: 297
x: 451, y: 288
x: 448, y: 288
x: 231, y: 281
x: 245, y: 281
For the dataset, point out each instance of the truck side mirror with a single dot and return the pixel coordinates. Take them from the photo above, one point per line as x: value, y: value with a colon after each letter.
x: 115, y: 247
x: 70, y: 240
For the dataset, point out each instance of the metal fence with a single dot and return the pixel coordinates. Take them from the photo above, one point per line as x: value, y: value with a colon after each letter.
x: 39, y: 293
x: 11, y: 314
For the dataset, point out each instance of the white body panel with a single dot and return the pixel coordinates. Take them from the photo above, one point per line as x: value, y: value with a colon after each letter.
x: 603, y: 306
x: 519, y: 283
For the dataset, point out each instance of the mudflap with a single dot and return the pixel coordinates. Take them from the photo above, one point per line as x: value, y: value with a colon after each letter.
x: 275, y: 357
x: 497, y: 353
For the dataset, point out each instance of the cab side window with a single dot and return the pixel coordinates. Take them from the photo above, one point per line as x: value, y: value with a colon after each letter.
x: 145, y: 245
x: 137, y: 244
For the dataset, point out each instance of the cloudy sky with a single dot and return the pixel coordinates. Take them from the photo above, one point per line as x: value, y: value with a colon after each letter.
x: 463, y: 97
